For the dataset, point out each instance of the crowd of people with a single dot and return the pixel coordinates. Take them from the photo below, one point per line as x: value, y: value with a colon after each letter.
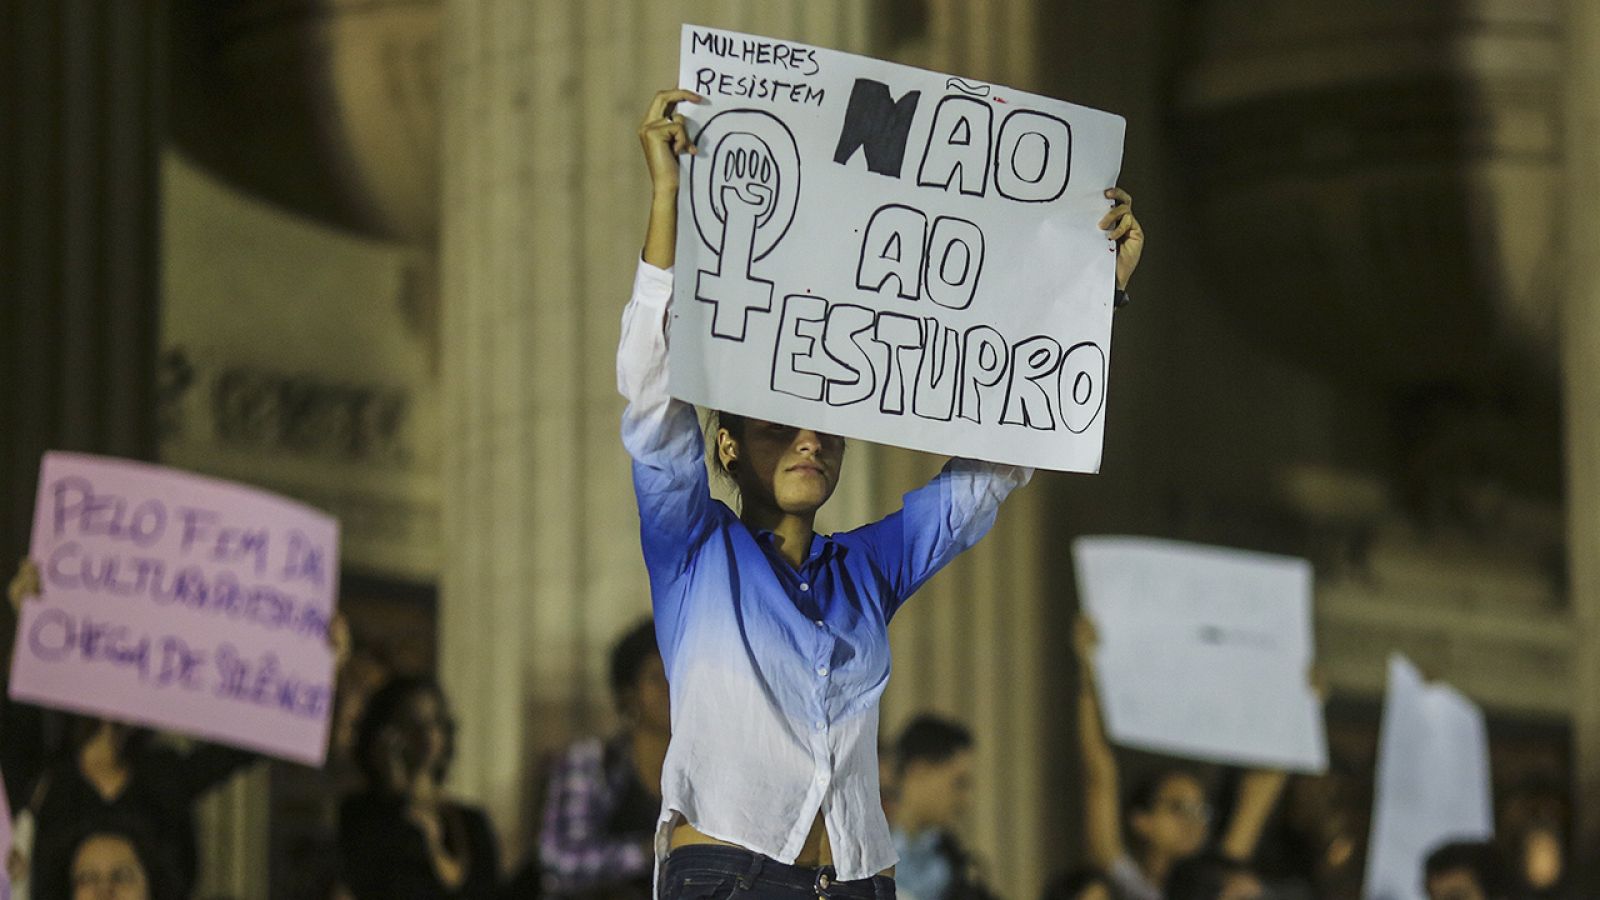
x: 112, y: 814
x: 748, y: 762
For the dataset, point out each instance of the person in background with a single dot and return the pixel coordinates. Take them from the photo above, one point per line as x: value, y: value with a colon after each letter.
x: 401, y: 837
x: 1467, y: 870
x: 1534, y: 821
x: 111, y: 857
x: 112, y: 769
x: 1541, y: 858
x: 933, y: 778
x: 1168, y: 818
x: 1213, y: 876
x: 1318, y: 851
x: 1080, y: 884
x: 603, y: 797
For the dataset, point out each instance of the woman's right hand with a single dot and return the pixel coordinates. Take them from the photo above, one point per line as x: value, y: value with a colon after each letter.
x: 24, y: 584
x: 663, y: 136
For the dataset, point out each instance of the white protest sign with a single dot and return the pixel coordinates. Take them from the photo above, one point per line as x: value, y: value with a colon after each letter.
x: 1432, y: 783
x: 1204, y: 652
x: 180, y: 602
x: 893, y: 254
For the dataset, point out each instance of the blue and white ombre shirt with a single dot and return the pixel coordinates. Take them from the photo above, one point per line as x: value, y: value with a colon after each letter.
x: 775, y: 673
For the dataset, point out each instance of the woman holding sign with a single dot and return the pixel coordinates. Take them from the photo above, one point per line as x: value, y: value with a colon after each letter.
x: 111, y: 769
x: 775, y: 638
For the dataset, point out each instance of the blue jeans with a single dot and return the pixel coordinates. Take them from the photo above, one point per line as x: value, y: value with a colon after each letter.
x: 711, y: 872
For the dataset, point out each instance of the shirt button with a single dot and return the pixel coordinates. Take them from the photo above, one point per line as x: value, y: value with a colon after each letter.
x: 822, y: 779
x: 804, y: 587
x: 821, y: 724
x: 822, y: 671
x: 819, y: 623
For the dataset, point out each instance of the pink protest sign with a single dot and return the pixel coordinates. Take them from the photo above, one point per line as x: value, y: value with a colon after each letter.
x: 180, y: 602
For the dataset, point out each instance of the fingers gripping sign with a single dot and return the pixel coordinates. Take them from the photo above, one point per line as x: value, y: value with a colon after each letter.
x: 664, y: 137
x: 1125, y: 234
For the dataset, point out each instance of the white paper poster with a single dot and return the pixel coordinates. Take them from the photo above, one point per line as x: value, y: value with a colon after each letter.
x: 1204, y: 652
x: 1432, y: 783
x: 893, y: 254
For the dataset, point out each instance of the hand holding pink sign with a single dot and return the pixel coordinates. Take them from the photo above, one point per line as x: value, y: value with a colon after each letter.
x: 180, y: 602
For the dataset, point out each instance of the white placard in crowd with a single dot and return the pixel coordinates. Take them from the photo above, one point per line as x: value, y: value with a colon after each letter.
x: 893, y: 254
x: 1432, y: 781
x: 1204, y: 652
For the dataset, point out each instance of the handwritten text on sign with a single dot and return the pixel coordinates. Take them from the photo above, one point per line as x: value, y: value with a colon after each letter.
x: 892, y: 254
x: 180, y: 602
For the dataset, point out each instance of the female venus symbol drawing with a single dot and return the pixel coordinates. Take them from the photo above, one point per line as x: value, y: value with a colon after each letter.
x: 743, y: 194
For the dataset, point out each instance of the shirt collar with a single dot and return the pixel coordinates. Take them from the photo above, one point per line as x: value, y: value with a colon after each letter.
x: 822, y: 550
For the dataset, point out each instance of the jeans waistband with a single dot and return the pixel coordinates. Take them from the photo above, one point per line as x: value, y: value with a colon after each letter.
x: 752, y: 868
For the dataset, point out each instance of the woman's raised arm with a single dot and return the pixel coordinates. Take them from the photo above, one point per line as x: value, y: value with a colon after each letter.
x: 664, y: 139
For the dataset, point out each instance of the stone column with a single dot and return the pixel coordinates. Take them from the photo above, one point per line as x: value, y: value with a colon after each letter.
x: 543, y: 208
x: 83, y: 98
x: 81, y: 102
x: 82, y: 95
x: 1580, y: 364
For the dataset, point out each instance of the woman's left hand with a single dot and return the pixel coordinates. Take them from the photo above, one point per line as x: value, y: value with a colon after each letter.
x: 24, y: 584
x: 1124, y: 230
x: 339, y: 641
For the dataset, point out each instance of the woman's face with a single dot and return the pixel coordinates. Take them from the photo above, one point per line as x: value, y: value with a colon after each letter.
x: 1178, y: 819
x: 423, y: 727
x: 106, y: 867
x: 792, y: 470
x: 1542, y: 858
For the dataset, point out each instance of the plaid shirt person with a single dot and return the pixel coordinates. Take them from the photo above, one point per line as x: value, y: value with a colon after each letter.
x: 598, y: 824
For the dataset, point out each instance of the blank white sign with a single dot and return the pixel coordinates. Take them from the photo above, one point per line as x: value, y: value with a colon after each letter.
x: 1433, y: 781
x: 1204, y: 652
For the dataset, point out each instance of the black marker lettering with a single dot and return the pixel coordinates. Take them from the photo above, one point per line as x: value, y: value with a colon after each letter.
x: 898, y: 333
x: 892, y: 248
x: 1033, y: 361
x: 955, y: 259
x: 958, y: 146
x: 743, y: 194
x: 703, y: 40
x: 842, y: 340
x: 1033, y: 157
x: 878, y: 125
x: 1082, y: 386
x: 984, y: 359
x: 938, y: 373
x: 732, y: 290
x: 793, y: 359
